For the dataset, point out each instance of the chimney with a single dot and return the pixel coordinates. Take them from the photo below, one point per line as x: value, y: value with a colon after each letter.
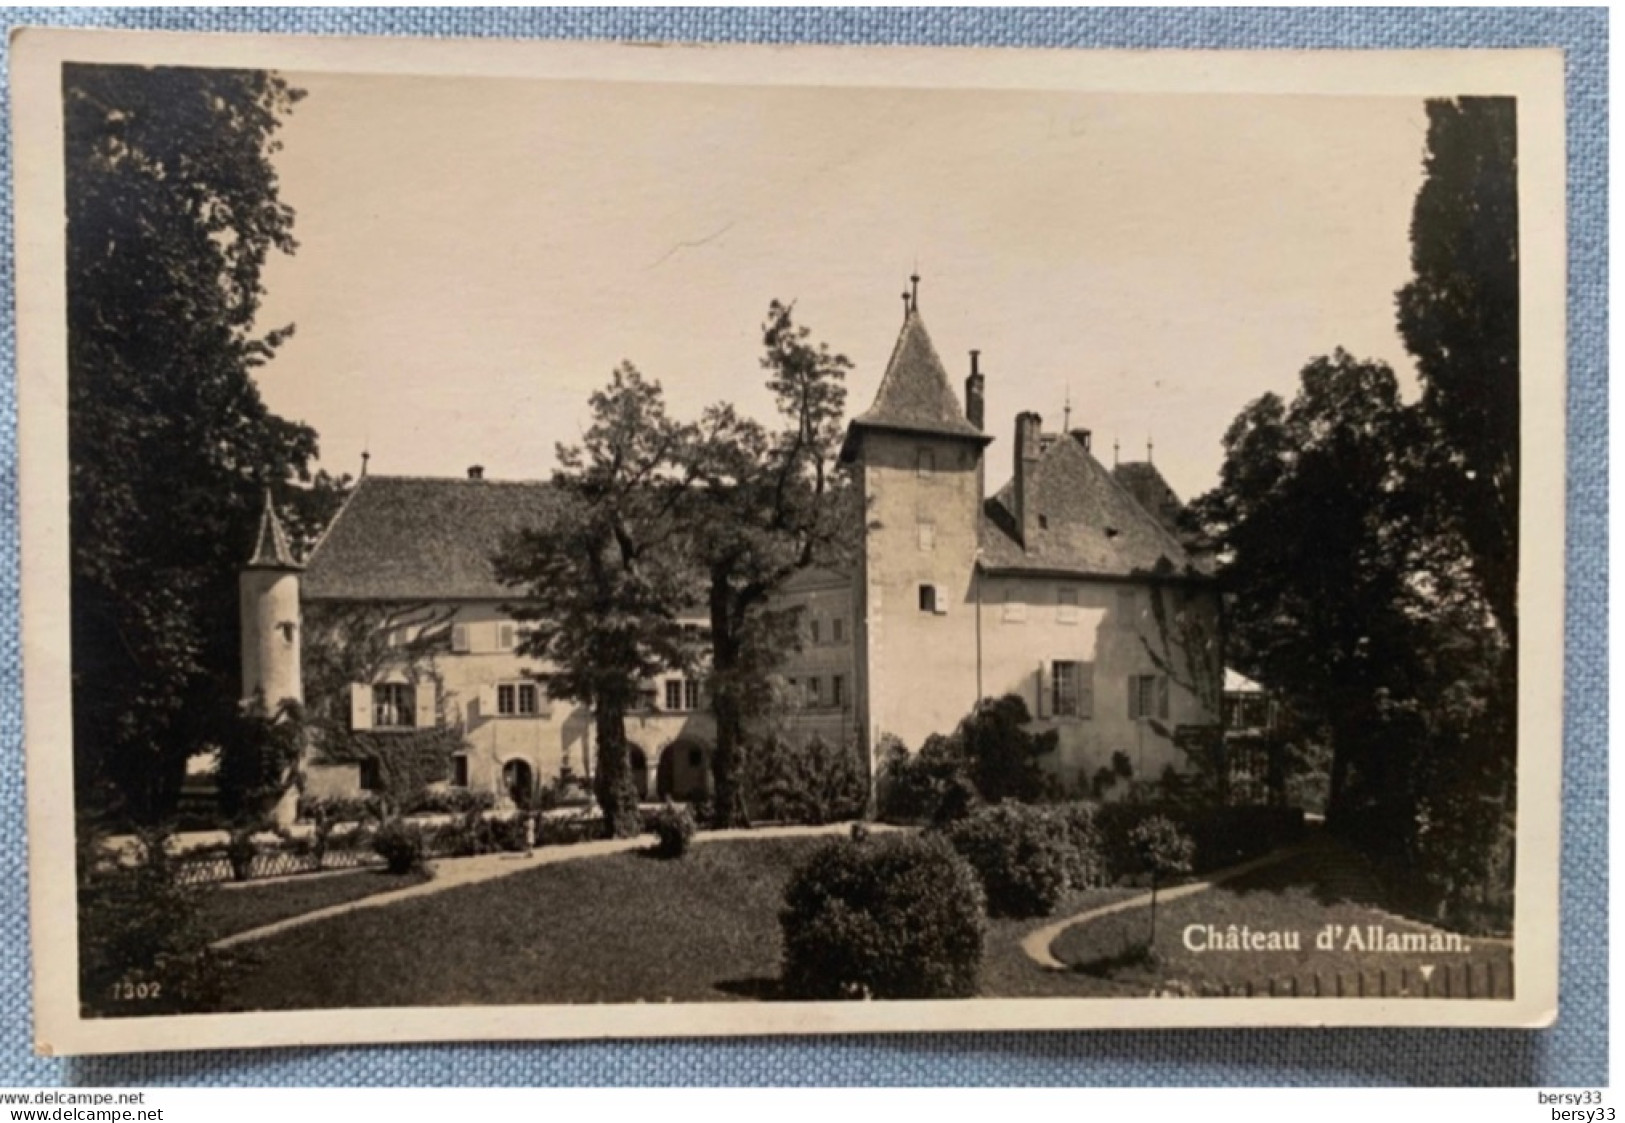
x: 976, y: 392
x: 1029, y: 442
x: 476, y: 471
x: 1082, y: 436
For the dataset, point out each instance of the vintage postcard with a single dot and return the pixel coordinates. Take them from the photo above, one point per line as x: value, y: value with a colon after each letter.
x: 529, y: 540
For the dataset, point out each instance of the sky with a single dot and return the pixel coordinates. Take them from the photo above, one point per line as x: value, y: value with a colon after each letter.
x: 476, y: 255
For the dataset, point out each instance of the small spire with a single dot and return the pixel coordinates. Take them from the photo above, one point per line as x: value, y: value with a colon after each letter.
x: 1114, y: 452
x: 271, y: 549
x: 1148, y: 446
x: 1066, y: 412
x: 365, y: 456
x: 914, y: 290
x: 906, y: 308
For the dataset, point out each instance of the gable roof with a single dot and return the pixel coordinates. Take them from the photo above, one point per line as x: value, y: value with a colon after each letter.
x: 1095, y: 526
x: 1141, y: 479
x: 915, y: 395
x: 402, y: 538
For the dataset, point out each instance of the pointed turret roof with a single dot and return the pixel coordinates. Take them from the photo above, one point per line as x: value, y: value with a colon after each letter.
x: 271, y: 549
x: 915, y: 395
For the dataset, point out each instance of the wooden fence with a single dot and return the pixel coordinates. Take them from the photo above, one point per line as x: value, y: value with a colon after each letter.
x: 1445, y: 980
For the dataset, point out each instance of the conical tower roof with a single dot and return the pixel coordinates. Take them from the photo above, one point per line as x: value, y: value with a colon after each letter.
x: 915, y: 395
x: 271, y: 550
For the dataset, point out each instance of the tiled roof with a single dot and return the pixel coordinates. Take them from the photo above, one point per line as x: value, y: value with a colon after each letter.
x: 915, y: 395
x: 271, y: 549
x: 403, y: 538
x: 1142, y: 480
x: 1094, y: 526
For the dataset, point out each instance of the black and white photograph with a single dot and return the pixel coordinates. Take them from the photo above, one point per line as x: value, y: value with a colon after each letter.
x: 621, y: 542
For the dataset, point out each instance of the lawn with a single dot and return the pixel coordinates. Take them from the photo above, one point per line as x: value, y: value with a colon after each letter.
x: 226, y: 911
x: 1302, y: 897
x: 618, y: 928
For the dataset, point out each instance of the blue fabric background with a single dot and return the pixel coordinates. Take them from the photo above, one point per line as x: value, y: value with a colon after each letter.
x: 1573, y: 1053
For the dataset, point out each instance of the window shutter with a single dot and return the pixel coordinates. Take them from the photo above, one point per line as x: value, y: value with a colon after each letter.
x: 360, y: 705
x: 1086, y: 689
x: 941, y: 600
x: 505, y: 637
x: 423, y: 702
x: 1162, y: 697
x: 486, y: 701
x: 544, y: 700
x: 1043, y: 680
x: 459, y: 637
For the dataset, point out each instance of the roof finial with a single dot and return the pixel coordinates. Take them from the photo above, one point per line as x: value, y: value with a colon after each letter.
x: 1114, y: 452
x: 365, y: 456
x: 1066, y: 412
x: 1148, y: 446
x: 905, y: 305
x: 914, y: 289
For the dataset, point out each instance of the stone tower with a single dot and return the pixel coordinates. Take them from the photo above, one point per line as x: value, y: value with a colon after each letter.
x: 917, y: 458
x: 268, y: 600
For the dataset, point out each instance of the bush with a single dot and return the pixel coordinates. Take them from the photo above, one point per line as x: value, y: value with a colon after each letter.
x: 895, y: 916
x: 143, y: 948
x: 401, y: 846
x: 1021, y: 855
x: 910, y: 786
x: 674, y: 827
x: 1221, y: 836
x: 448, y: 801
x: 813, y: 782
x: 566, y: 830
x: 341, y: 809
x: 1085, y: 854
x: 241, y: 851
x: 1000, y: 753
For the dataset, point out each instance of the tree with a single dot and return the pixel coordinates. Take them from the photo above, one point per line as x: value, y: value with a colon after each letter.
x: 606, y: 582
x: 1459, y: 317
x: 1163, y: 851
x: 766, y: 506
x: 172, y: 211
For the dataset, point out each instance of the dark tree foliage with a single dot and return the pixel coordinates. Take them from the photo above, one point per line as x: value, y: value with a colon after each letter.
x: 767, y: 505
x: 1459, y: 318
x: 608, y: 579
x: 172, y: 211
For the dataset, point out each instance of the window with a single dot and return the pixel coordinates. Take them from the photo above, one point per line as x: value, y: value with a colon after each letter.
x: 691, y: 694
x: 393, y: 706
x: 1147, y: 697
x: 517, y: 699
x: 1072, y: 689
x: 459, y: 771
x: 837, y: 630
x: 837, y: 690
x: 1015, y: 609
x: 815, y: 691
x: 1128, y: 609
x: 1064, y: 689
x: 928, y: 537
x: 646, y: 699
x: 1066, y: 610
x: 674, y: 694
x: 816, y: 627
x: 929, y: 599
x: 925, y: 462
x: 372, y: 777
x: 696, y: 758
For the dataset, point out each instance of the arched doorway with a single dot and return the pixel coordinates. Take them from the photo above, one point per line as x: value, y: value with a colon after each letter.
x: 685, y: 771
x: 518, y: 782
x: 638, y: 762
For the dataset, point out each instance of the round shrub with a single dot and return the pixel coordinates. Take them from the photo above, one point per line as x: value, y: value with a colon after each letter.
x: 674, y: 828
x: 1021, y: 855
x: 400, y: 845
x: 893, y: 916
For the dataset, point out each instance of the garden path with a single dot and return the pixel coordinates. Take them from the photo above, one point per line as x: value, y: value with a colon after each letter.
x: 1037, y: 943
x: 450, y: 873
